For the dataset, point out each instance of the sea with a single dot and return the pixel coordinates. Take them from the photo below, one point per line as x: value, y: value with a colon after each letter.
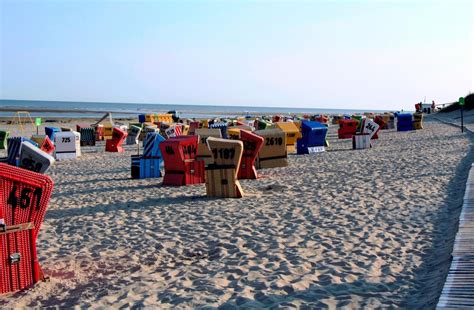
x: 93, y: 110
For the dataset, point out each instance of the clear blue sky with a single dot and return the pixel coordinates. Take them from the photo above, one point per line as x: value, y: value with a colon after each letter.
x: 320, y: 54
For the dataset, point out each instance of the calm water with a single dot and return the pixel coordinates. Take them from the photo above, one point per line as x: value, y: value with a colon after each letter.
x: 122, y: 110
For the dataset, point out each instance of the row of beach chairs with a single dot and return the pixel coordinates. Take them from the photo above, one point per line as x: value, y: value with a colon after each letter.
x: 213, y: 153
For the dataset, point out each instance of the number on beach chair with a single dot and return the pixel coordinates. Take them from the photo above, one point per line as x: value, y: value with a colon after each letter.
x: 67, y: 145
x: 292, y: 134
x: 181, y: 165
x: 221, y: 175
x: 274, y: 151
x: 370, y: 127
x: 34, y: 159
x: 203, y: 152
x: 24, y: 198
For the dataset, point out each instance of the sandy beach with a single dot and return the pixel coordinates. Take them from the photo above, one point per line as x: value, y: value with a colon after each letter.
x: 340, y: 229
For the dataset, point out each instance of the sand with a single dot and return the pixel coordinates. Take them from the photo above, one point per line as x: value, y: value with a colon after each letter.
x: 344, y: 228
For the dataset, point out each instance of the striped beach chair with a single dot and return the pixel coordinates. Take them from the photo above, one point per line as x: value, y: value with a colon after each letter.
x: 14, y: 149
x: 149, y: 164
x: 151, y: 145
x: 87, y: 136
x: 222, y: 126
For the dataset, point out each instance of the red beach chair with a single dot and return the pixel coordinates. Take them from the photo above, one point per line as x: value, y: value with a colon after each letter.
x: 252, y: 145
x: 192, y: 127
x: 44, y: 143
x: 24, y: 197
x: 99, y: 132
x: 379, y: 120
x: 181, y: 166
x: 323, y: 119
x: 347, y: 128
x: 118, y: 138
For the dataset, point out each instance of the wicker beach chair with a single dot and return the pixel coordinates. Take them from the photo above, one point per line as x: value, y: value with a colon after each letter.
x: 68, y: 145
x: 148, y: 165
x: 44, y: 143
x: 34, y: 159
x: 292, y: 134
x: 222, y: 174
x: 181, y: 165
x: 252, y: 145
x: 115, y: 143
x: 203, y: 152
x: 273, y: 152
x: 314, y: 138
x: 24, y: 197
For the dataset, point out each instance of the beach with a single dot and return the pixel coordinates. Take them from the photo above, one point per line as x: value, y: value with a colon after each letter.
x: 344, y: 228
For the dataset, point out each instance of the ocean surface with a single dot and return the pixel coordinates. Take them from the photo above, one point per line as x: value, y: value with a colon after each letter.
x: 69, y: 109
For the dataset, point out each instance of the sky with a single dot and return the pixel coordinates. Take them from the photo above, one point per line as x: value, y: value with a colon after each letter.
x: 310, y: 54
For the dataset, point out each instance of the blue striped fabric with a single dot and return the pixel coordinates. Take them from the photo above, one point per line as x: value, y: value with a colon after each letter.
x: 14, y: 148
x: 151, y: 144
x: 222, y: 126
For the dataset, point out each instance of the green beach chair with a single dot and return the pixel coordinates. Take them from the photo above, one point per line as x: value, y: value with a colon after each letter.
x: 359, y: 119
x: 3, y: 139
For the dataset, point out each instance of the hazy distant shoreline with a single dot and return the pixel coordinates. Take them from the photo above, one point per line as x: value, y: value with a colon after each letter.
x: 69, y: 109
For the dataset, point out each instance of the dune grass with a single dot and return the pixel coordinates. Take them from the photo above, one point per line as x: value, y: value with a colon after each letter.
x: 468, y: 104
